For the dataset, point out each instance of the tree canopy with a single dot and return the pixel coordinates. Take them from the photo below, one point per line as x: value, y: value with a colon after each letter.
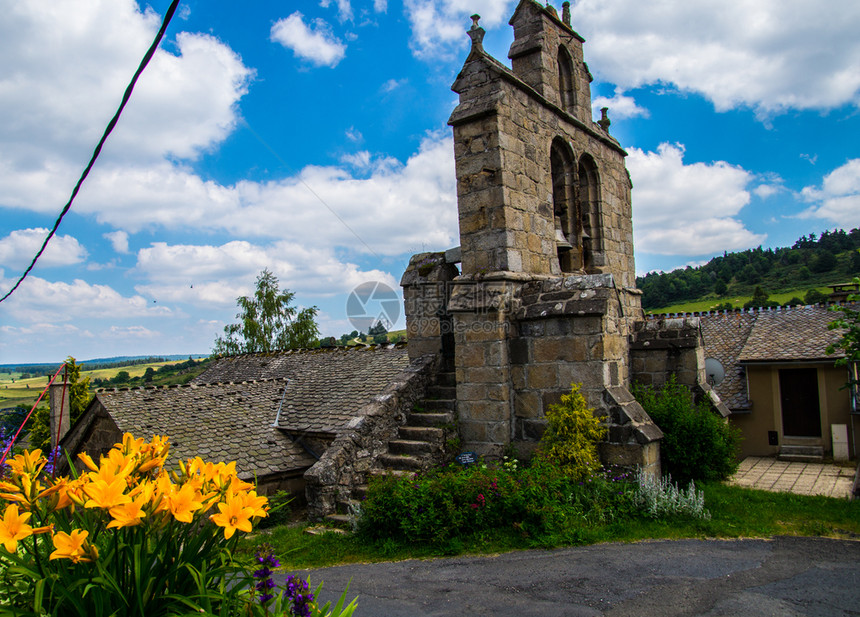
x: 268, y: 321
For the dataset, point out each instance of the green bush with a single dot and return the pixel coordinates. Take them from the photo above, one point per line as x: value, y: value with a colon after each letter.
x: 698, y: 444
x: 445, y: 506
x: 572, y: 434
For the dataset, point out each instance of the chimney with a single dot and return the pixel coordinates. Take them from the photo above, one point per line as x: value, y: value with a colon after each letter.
x: 59, y: 408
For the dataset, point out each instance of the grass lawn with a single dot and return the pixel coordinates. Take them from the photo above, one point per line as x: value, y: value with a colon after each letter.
x: 735, y: 513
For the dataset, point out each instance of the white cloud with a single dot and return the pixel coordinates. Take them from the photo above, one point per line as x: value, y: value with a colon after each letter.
x: 119, y: 241
x: 359, y: 160
x: 765, y: 191
x: 439, y: 26
x: 344, y: 9
x: 66, y: 65
x: 770, y: 55
x: 354, y: 135
x: 620, y: 107
x: 217, y: 275
x: 316, y: 43
x: 130, y: 332
x: 393, y: 84
x: 683, y: 209
x: 20, y: 246
x: 838, y: 198
x: 39, y: 300
x: 396, y: 207
x: 380, y: 6
x: 66, y: 94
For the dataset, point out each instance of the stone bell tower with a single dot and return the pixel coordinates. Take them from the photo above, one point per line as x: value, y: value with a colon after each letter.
x: 546, y: 293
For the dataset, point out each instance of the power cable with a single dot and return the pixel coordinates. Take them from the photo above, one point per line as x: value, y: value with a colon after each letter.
x: 143, y: 63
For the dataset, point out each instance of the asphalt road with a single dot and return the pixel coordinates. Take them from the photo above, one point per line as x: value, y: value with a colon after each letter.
x: 784, y: 577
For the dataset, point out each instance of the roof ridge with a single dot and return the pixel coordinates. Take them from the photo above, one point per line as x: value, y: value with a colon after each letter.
x: 320, y: 349
x: 742, y: 310
x: 190, y: 385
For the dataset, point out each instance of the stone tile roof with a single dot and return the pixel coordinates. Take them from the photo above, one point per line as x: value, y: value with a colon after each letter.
x: 799, y: 333
x: 793, y: 334
x: 327, y: 387
x: 219, y: 422
x: 724, y: 336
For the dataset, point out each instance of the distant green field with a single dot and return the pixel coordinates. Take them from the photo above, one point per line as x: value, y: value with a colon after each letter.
x: 710, y: 302
x: 26, y: 391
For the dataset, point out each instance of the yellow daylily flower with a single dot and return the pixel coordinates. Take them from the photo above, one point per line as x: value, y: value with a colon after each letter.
x: 129, y: 514
x: 27, y: 463
x: 106, y: 495
x: 73, y: 546
x: 14, y: 527
x: 183, y: 503
x: 232, y: 516
x: 129, y: 445
x: 87, y: 460
x: 256, y: 503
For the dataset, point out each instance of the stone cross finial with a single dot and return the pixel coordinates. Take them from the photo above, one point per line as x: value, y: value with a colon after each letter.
x: 476, y: 33
x: 604, y: 121
x: 565, y: 13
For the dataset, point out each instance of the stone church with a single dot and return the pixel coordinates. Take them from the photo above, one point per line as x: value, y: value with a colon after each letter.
x: 539, y: 295
x: 541, y: 292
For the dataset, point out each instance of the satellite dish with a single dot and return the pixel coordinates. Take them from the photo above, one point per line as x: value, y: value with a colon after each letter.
x: 714, y: 371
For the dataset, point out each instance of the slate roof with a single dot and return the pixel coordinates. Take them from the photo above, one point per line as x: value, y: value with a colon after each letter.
x: 724, y: 336
x: 796, y: 334
x: 219, y: 422
x: 327, y: 387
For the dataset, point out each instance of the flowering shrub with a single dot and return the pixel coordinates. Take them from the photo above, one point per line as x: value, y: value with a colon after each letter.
x: 541, y: 502
x: 126, y: 537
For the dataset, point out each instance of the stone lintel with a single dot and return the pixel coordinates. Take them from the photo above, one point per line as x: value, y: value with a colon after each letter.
x: 687, y: 342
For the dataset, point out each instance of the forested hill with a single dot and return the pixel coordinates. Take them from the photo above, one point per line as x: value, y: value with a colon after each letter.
x: 828, y: 259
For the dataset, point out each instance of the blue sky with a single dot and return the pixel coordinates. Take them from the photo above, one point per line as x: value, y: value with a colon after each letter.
x: 311, y: 138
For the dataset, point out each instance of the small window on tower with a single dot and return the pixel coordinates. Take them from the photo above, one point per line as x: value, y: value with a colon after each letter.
x: 566, y: 89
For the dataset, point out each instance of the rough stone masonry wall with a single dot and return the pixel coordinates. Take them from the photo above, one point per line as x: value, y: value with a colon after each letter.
x: 527, y: 133
x: 503, y: 130
x: 347, y: 462
x: 662, y: 348
x: 426, y: 286
x: 535, y: 29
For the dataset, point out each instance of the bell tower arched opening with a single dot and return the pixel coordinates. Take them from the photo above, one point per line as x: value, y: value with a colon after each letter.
x: 566, y: 85
x: 588, y: 206
x: 564, y: 206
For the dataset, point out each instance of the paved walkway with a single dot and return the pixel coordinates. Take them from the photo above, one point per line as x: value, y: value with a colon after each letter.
x: 769, y: 474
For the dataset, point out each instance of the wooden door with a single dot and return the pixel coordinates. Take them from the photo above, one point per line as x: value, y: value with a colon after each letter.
x: 798, y: 395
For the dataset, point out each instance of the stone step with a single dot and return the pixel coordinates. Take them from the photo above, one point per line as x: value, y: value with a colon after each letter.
x: 341, y: 521
x: 446, y: 379
x: 349, y: 506
x: 429, y: 419
x: 801, y: 454
x: 400, y: 473
x: 432, y: 405
x: 403, y: 462
x: 421, y: 433
x: 359, y: 492
x: 445, y: 392
x: 406, y: 446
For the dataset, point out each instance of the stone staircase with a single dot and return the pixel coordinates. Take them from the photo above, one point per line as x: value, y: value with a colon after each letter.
x: 801, y: 454
x: 420, y: 442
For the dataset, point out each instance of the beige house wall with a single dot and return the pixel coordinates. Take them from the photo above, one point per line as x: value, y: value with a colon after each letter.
x: 766, y: 412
